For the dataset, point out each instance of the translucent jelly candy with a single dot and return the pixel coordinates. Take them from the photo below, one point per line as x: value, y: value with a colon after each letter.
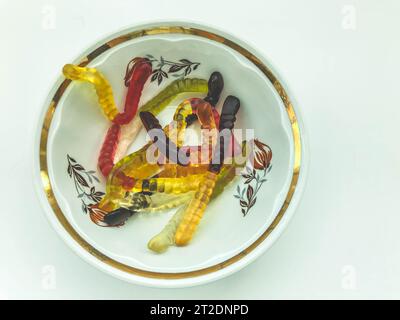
x: 135, y: 78
x: 129, y: 174
x: 138, y: 75
x: 155, y: 106
x: 138, y: 71
x: 116, y: 197
x: 106, y: 158
x: 198, y: 204
x: 168, y: 147
x: 101, y: 85
x: 160, y: 242
x: 159, y: 201
x: 136, y: 166
x: 139, y: 202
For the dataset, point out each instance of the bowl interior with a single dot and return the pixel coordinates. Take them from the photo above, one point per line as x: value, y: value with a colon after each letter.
x: 78, y: 129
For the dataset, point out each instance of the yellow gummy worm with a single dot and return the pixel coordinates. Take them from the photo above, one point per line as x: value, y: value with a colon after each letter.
x: 173, y: 170
x: 166, y: 96
x: 148, y: 203
x: 102, y: 86
x: 176, y: 130
x: 117, y: 195
x: 195, y: 209
x: 168, y: 185
x: 160, y: 242
x: 198, y: 204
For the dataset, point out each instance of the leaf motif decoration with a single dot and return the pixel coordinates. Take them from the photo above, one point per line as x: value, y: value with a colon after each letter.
x: 254, y: 177
x: 249, y: 193
x: 86, y: 192
x: 164, y: 67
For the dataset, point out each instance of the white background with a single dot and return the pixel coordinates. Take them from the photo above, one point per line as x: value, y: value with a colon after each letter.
x: 344, y: 240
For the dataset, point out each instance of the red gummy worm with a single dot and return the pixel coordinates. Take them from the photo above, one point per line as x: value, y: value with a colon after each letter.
x: 107, y: 152
x: 137, y: 73
x: 135, y: 78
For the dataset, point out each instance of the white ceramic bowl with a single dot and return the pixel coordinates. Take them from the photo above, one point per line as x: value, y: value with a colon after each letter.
x: 72, y: 124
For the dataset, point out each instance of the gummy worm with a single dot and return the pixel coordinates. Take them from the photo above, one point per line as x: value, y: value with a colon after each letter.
x: 198, y: 204
x: 203, y: 111
x: 101, y: 85
x: 136, y: 166
x: 138, y: 71
x: 157, y: 104
x: 135, y: 79
x: 125, y: 174
x: 161, y: 241
x: 131, y: 202
x: 177, y: 171
x: 140, y: 202
x: 166, y: 237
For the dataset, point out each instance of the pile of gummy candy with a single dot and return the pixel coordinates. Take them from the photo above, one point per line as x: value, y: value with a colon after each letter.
x: 135, y: 184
